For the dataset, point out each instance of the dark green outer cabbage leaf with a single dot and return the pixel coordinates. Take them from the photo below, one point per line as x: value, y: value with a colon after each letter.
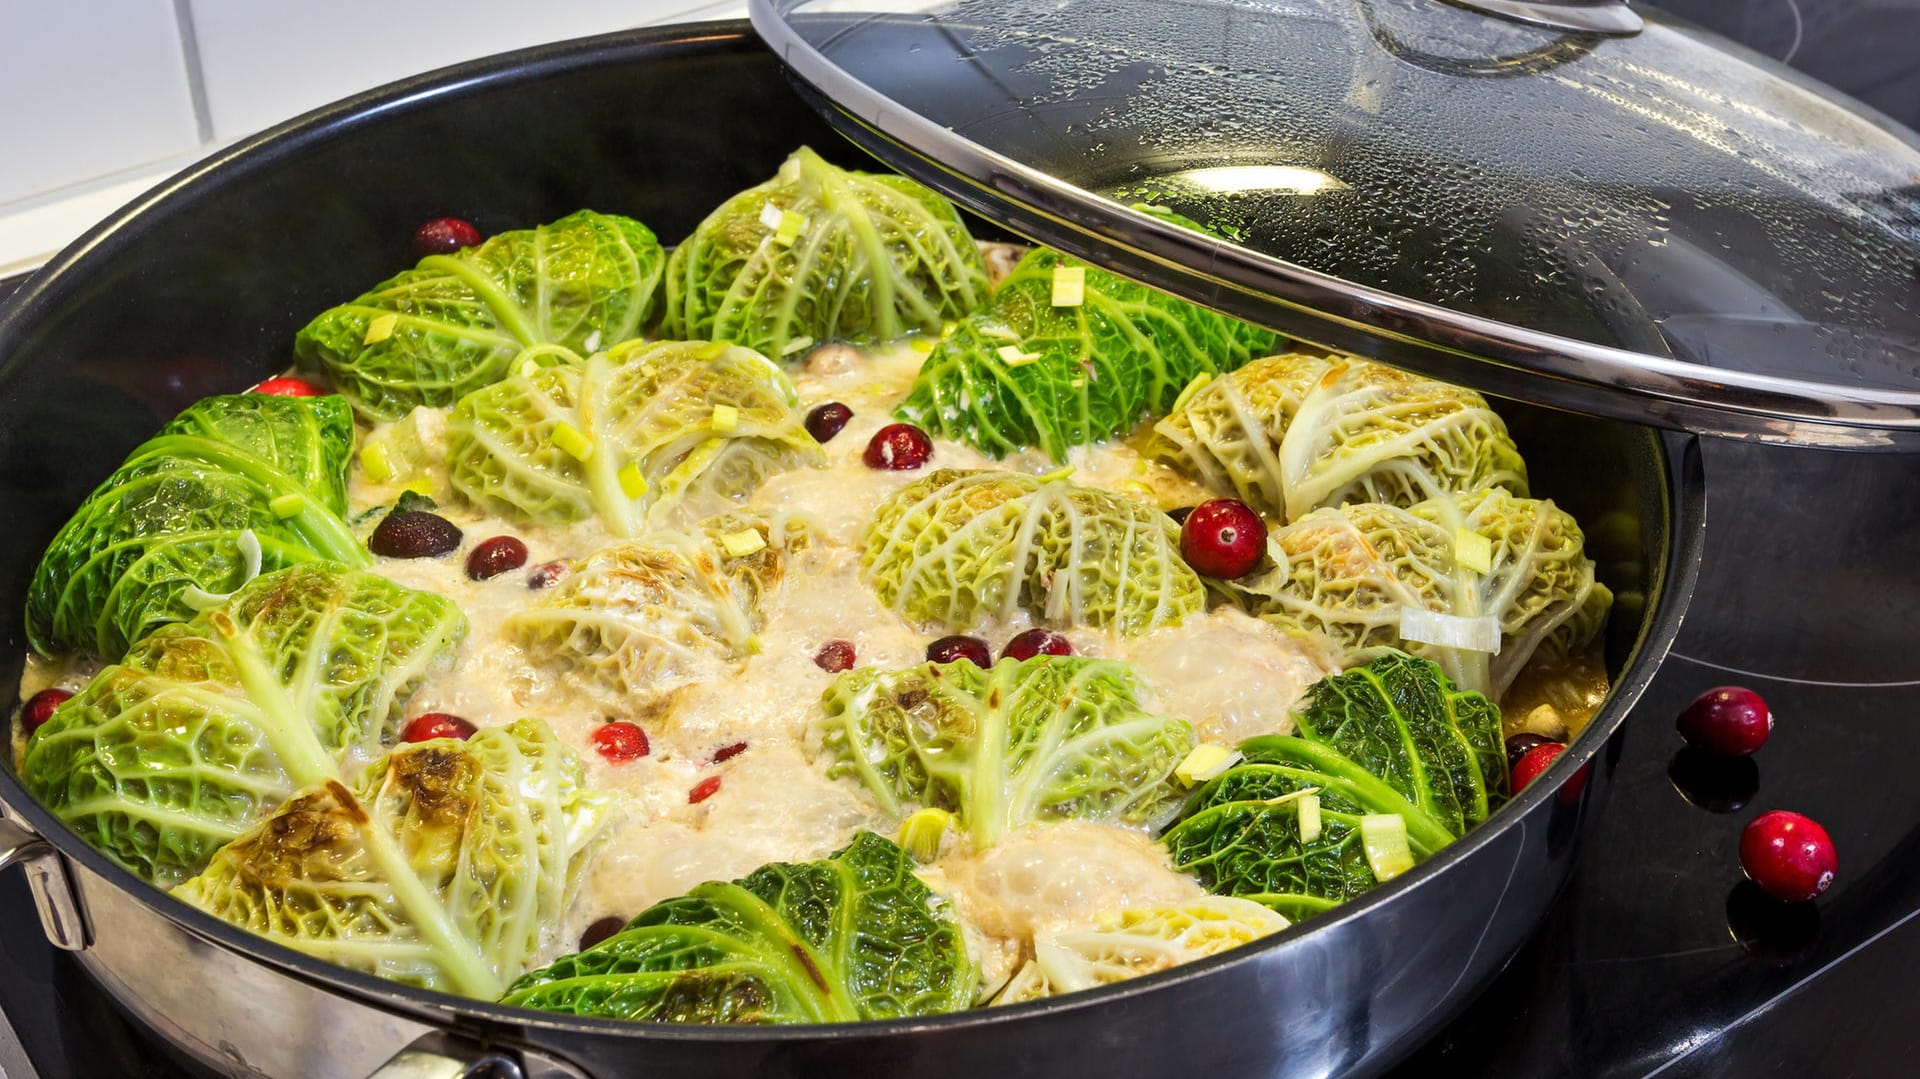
x: 856, y: 936
x: 878, y: 257
x: 1070, y: 376
x: 206, y: 726
x: 584, y: 282
x: 171, y: 518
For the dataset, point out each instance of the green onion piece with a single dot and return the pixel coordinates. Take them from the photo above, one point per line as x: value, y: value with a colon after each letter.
x: 1310, y: 818
x: 632, y: 483
x: 725, y: 418
x: 1384, y: 835
x: 571, y: 441
x: 922, y: 832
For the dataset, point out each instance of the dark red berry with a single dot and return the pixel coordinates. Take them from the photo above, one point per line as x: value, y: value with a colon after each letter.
x: 492, y: 557
x: 444, y: 236
x: 1520, y: 744
x: 826, y: 421
x: 703, y: 790
x: 288, y: 387
x: 1790, y: 857
x: 620, y: 741
x: 1037, y: 642
x: 601, y: 929
x: 546, y: 574
x: 898, y: 447
x: 413, y: 534
x: 835, y: 656
x: 1533, y: 762
x: 1223, y: 538
x: 1732, y: 720
x: 1180, y: 514
x: 727, y: 753
x: 957, y: 647
x: 427, y: 727
x: 39, y: 708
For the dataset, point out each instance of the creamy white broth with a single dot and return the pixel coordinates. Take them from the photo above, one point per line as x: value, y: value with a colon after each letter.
x: 1228, y: 674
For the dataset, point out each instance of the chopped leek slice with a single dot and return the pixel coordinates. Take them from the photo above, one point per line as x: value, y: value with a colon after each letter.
x: 790, y: 227
x: 1481, y: 634
x: 743, y: 543
x: 922, y: 833
x: 1069, y: 285
x: 1384, y: 835
x: 725, y: 418
x: 287, y: 505
x: 632, y: 483
x: 1310, y: 818
x: 1473, y: 550
x: 1013, y: 356
x: 374, y: 462
x: 571, y: 441
x: 380, y: 328
x: 1206, y: 761
x: 771, y: 215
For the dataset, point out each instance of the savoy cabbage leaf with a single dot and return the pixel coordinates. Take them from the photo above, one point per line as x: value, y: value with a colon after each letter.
x: 818, y: 254
x: 1136, y: 941
x: 1394, y: 737
x: 854, y: 936
x: 1290, y: 433
x: 1050, y: 738
x: 448, y: 864
x: 456, y: 322
x: 1022, y: 372
x: 233, y: 486
x: 664, y: 431
x: 1354, y: 573
x: 205, y: 726
x: 960, y: 548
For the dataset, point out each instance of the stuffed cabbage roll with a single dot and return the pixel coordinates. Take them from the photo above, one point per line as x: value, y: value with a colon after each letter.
x: 448, y: 865
x: 455, y: 323
x: 234, y: 486
x: 818, y: 254
x: 666, y: 431
x: 1045, y: 739
x: 1480, y: 583
x: 1295, y: 432
x: 959, y: 548
x: 207, y: 725
x: 855, y: 936
x: 1030, y: 370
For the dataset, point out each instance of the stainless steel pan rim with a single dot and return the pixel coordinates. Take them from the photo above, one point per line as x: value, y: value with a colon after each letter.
x: 1669, y: 589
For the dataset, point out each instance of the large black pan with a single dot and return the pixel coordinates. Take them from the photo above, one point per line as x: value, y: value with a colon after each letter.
x: 199, y: 287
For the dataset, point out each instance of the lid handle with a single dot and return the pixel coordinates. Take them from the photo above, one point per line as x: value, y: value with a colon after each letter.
x: 1610, y: 17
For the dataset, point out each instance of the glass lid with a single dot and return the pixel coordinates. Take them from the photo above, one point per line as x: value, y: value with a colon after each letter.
x: 1639, y: 221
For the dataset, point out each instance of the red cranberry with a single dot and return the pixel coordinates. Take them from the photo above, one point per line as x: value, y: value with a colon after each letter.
x: 39, y: 708
x: 727, y: 753
x: 288, y: 387
x: 413, y: 534
x: 1521, y: 744
x: 1790, y: 857
x: 1223, y: 538
x: 425, y: 728
x: 898, y: 447
x: 444, y: 236
x: 1037, y: 642
x: 1731, y: 720
x: 492, y: 557
x: 835, y: 656
x: 703, y: 790
x: 546, y: 575
x: 601, y: 929
x: 1533, y: 762
x: 826, y: 421
x: 620, y: 741
x: 957, y: 647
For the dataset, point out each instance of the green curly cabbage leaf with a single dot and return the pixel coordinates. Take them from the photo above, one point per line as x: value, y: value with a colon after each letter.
x: 455, y: 323
x: 1295, y: 432
x: 1050, y: 738
x: 1137, y: 941
x: 635, y: 622
x: 1022, y: 372
x: 205, y: 726
x: 448, y: 865
x: 855, y: 936
x: 233, y: 486
x: 695, y: 427
x: 959, y: 548
x: 1354, y: 573
x: 1393, y: 737
x: 818, y: 254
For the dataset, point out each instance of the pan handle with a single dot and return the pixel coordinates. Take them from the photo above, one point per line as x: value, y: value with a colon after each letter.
x: 440, y: 1055
x: 47, y: 876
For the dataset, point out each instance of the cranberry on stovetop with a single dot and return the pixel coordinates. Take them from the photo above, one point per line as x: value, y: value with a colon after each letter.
x: 39, y: 708
x: 620, y: 741
x: 1732, y: 720
x: 898, y: 447
x: 1521, y: 744
x: 703, y: 790
x: 601, y: 929
x: 1036, y: 642
x: 1223, y: 538
x: 430, y: 725
x: 835, y: 656
x: 953, y: 649
x: 413, y: 534
x: 825, y: 421
x: 444, y: 236
x: 492, y: 557
x: 1789, y: 856
x: 287, y: 386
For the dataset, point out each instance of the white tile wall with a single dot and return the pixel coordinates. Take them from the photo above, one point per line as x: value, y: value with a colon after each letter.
x: 265, y: 60
x: 90, y: 87
x: 97, y: 97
